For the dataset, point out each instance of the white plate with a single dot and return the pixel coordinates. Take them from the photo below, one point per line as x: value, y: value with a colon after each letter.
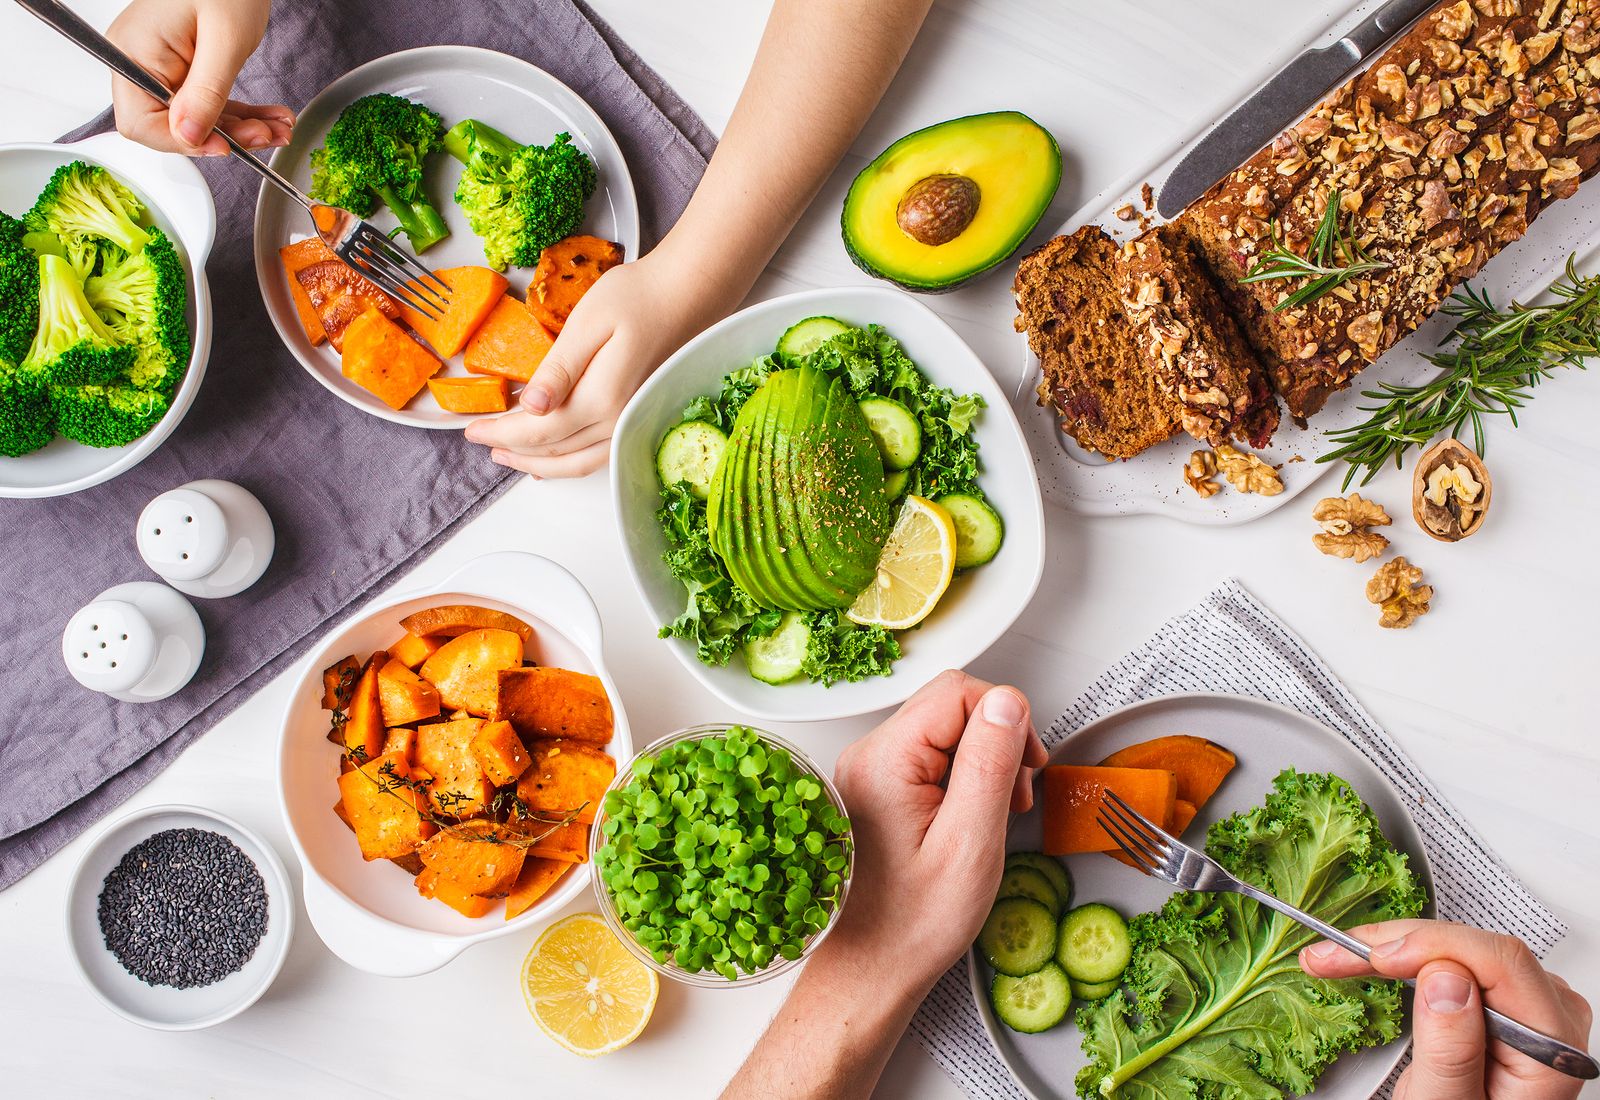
x: 1267, y: 738
x: 980, y: 605
x: 1153, y: 481
x: 458, y: 82
x: 180, y: 203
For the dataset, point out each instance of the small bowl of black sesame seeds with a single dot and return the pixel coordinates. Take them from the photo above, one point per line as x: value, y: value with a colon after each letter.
x: 179, y: 918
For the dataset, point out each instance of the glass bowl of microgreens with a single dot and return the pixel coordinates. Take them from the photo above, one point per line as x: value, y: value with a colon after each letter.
x: 722, y: 855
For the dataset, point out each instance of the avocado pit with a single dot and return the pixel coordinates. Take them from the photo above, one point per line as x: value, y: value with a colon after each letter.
x: 937, y: 209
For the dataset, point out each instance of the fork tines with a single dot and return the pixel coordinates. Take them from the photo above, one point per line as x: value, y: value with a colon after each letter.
x: 1141, y: 840
x: 395, y: 271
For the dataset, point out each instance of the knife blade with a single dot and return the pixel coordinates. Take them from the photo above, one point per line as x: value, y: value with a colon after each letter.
x: 1279, y: 103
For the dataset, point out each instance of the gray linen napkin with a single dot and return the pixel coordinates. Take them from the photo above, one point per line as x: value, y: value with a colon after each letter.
x: 347, y: 526
x: 1231, y: 643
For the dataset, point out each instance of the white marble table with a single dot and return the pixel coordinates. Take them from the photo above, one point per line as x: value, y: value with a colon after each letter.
x: 1495, y: 693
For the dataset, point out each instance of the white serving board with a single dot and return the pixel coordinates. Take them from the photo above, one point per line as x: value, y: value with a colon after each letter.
x: 1090, y: 484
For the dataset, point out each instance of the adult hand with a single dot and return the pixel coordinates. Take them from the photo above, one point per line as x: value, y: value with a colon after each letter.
x: 633, y: 317
x: 1458, y: 970
x: 196, y: 48
x: 929, y: 794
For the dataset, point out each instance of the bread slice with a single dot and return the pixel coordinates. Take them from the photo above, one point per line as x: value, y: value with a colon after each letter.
x: 1096, y: 373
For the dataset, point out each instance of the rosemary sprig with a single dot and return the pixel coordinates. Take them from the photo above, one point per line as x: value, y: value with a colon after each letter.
x: 1333, y: 259
x: 1500, y: 355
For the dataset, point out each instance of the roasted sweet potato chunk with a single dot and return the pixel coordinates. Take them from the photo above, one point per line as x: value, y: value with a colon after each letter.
x: 383, y: 809
x: 382, y: 358
x: 536, y: 880
x: 1200, y: 765
x: 455, y: 619
x: 565, y: 272
x: 431, y: 885
x: 478, y: 857
x: 564, y: 776
x: 406, y: 697
x: 500, y: 753
x: 444, y: 750
x: 465, y: 668
x: 554, y: 702
x: 411, y: 650
x: 364, y: 731
x: 1072, y: 795
x: 340, y: 295
x: 296, y: 258
x: 339, y: 681
x: 402, y: 739
x: 567, y: 843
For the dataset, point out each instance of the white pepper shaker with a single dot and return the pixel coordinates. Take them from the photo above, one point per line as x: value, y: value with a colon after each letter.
x: 137, y: 642
x: 208, y: 538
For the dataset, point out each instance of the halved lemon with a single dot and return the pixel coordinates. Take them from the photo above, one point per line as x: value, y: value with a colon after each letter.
x: 584, y: 988
x: 913, y: 570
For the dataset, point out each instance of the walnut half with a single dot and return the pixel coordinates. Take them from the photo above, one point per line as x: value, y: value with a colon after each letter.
x: 1394, y: 588
x: 1450, y: 490
x: 1347, y: 524
x: 1247, y: 473
x: 1200, y: 472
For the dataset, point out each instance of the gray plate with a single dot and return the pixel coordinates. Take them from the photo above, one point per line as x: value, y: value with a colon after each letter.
x: 1267, y: 738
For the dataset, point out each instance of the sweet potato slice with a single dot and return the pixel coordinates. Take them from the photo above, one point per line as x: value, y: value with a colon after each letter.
x: 566, y: 271
x: 464, y: 669
x: 402, y: 740
x: 471, y: 395
x: 554, y: 702
x: 338, y: 681
x: 536, y: 879
x: 382, y: 359
x: 567, y: 843
x: 477, y: 857
x: 510, y: 343
x: 383, y: 810
x: 340, y: 295
x: 406, y: 697
x: 444, y: 750
x: 363, y: 730
x: 474, y: 291
x: 454, y: 619
x: 563, y: 776
x: 431, y: 885
x: 1072, y: 803
x: 296, y: 258
x: 1200, y: 765
x: 500, y: 753
x: 411, y: 650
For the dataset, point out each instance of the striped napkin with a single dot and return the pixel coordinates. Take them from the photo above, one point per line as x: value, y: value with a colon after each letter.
x: 1231, y: 643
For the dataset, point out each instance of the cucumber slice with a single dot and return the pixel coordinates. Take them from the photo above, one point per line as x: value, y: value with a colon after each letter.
x: 689, y: 452
x: 1019, y: 936
x: 1094, y: 945
x: 979, y: 529
x: 895, y: 482
x: 1094, y: 991
x: 1033, y: 1003
x: 1025, y: 882
x: 897, y: 431
x: 804, y: 337
x: 776, y: 658
x: 1048, y: 866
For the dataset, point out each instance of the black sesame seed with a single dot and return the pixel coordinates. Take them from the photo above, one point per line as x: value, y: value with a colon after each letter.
x: 184, y: 907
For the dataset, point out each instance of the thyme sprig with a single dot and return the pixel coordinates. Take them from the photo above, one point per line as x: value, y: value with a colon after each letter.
x: 1499, y: 356
x: 1333, y: 259
x: 512, y: 831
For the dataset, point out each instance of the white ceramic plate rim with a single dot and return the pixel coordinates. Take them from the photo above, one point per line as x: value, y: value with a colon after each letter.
x: 618, y: 182
x: 1397, y: 1048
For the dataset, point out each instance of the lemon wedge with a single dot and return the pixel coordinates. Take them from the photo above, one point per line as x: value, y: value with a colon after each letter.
x: 913, y: 571
x: 585, y: 990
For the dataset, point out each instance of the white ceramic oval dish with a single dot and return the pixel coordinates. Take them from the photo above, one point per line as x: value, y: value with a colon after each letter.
x: 180, y: 203
x: 370, y: 914
x: 165, y: 1008
x: 980, y: 605
x: 458, y: 82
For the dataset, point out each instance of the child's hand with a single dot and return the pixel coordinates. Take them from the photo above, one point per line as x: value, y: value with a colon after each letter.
x: 632, y: 318
x: 197, y: 48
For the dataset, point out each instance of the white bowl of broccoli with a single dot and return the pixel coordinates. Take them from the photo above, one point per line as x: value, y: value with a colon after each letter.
x: 105, y: 315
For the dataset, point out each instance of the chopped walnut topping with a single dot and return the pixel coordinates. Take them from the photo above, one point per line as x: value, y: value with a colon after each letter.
x: 1547, y: 12
x: 1538, y: 46
x: 1508, y: 52
x: 1126, y: 212
x: 1494, y: 147
x: 1391, y: 81
x: 1398, y: 168
x: 1313, y: 128
x: 1247, y: 472
x: 1365, y: 332
x: 1200, y: 472
x: 1446, y: 54
x: 1149, y: 290
x: 1447, y: 143
x: 1583, y: 127
x: 1456, y: 21
x: 1582, y: 35
x: 1561, y: 179
x: 1395, y: 589
x: 1521, y: 156
x: 1347, y: 527
x: 1398, y: 139
x: 1435, y: 204
x: 1498, y: 9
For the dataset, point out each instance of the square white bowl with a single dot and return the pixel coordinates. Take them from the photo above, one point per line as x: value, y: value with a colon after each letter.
x: 981, y: 604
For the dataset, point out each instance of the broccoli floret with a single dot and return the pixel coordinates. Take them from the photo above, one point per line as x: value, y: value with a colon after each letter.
x: 19, y: 291
x: 83, y: 253
x: 142, y: 297
x: 106, y: 416
x: 73, y: 346
x: 375, y: 151
x: 519, y: 198
x: 26, y: 421
x: 83, y: 204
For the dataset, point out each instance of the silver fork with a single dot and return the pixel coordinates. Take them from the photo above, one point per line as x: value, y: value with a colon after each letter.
x: 1161, y: 855
x: 359, y: 243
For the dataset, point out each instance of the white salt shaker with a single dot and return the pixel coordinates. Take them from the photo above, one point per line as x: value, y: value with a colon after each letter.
x: 137, y: 642
x: 208, y: 538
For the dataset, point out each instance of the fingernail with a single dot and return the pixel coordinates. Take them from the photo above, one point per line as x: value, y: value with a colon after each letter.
x: 191, y: 131
x: 1323, y: 951
x: 1446, y: 991
x: 473, y: 433
x: 1003, y: 707
x: 1386, y: 950
x: 535, y: 400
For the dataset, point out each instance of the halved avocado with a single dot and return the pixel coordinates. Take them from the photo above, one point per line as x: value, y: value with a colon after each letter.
x: 949, y: 202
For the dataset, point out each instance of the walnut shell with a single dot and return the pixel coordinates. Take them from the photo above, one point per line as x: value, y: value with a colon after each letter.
x: 1455, y: 519
x: 937, y: 209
